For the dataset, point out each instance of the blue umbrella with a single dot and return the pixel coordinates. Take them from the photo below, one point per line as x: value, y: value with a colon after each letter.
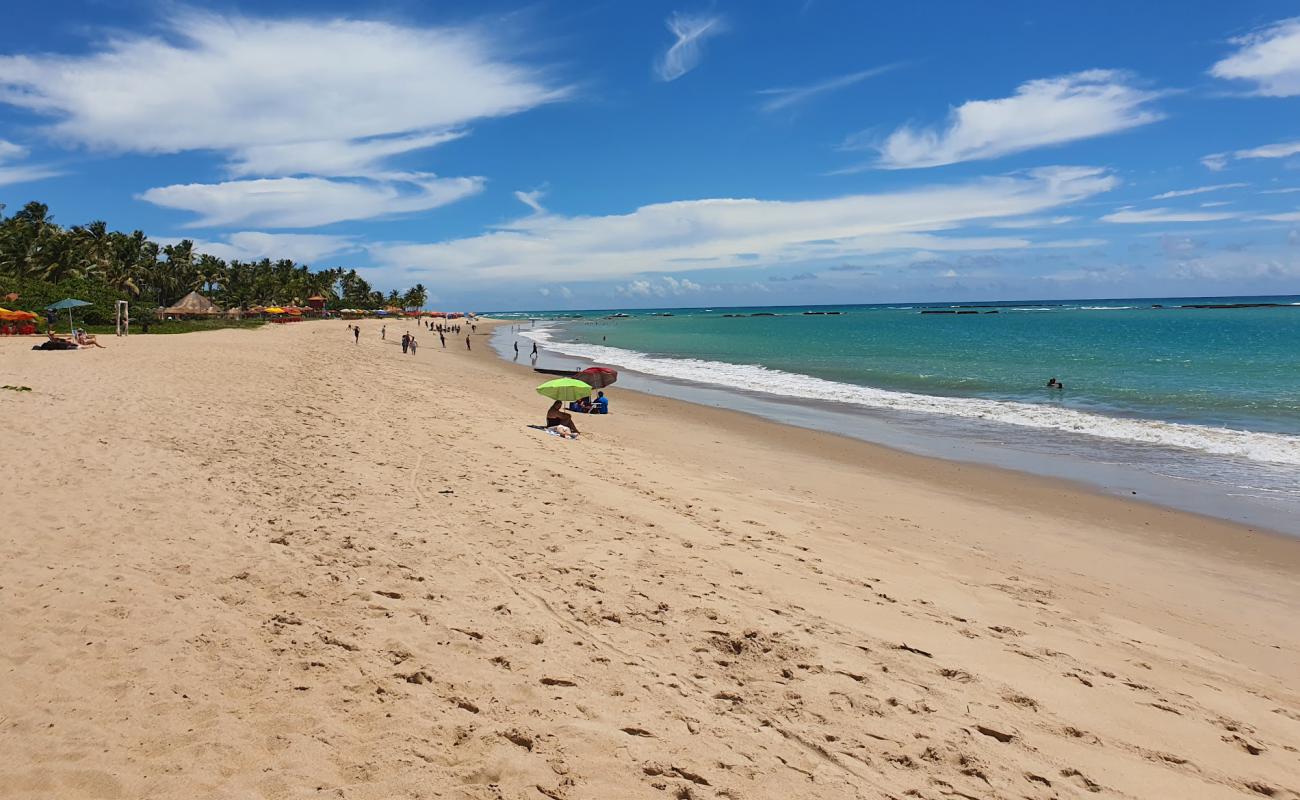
x: 69, y: 304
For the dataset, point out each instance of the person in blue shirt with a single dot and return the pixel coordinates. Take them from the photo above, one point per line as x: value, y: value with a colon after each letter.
x: 600, y: 404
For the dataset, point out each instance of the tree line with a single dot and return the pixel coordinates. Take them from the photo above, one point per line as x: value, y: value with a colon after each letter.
x: 42, y: 262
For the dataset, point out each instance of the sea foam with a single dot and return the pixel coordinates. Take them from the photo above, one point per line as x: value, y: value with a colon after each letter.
x: 1273, y: 448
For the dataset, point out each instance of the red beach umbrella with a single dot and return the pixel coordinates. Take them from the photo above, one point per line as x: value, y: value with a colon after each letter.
x: 597, y: 377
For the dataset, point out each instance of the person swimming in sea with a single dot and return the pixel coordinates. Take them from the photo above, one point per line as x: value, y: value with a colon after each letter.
x: 1055, y: 384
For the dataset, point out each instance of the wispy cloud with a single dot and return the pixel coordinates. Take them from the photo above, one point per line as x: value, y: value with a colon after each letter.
x: 1268, y: 57
x: 726, y: 233
x: 252, y: 245
x: 20, y: 173
x: 331, y: 157
x: 793, y: 96
x: 532, y: 199
x: 1131, y: 216
x: 310, y: 202
x: 1291, y: 190
x: 1041, y: 113
x: 1278, y: 150
x: 1030, y: 222
x: 685, y: 53
x: 1288, y: 216
x: 1199, y: 190
x: 1217, y: 162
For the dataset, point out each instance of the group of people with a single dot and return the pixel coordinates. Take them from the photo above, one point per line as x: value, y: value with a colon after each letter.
x: 560, y: 421
x: 79, y: 340
x: 408, y: 341
x: 533, y: 356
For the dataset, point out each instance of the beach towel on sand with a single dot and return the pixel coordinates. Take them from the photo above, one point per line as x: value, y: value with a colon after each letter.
x: 553, y: 432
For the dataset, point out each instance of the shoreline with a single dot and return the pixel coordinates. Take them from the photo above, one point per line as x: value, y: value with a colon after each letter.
x: 274, y: 562
x: 854, y: 451
x: 1074, y: 458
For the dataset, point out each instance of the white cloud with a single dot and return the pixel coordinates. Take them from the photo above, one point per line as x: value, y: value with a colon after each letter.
x: 1268, y: 57
x: 1150, y: 215
x: 309, y: 202
x: 1066, y: 244
x: 282, y: 96
x: 686, y: 52
x: 326, y: 157
x: 23, y: 173
x: 723, y: 233
x: 1290, y: 216
x: 1030, y: 222
x: 664, y: 287
x: 1199, y: 190
x: 1041, y: 113
x: 1279, y: 150
x: 1215, y: 162
x: 532, y: 199
x: 1216, y: 204
x: 785, y: 98
x: 1290, y: 190
x: 254, y: 245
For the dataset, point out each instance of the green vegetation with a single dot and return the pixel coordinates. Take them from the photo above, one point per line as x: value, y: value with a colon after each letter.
x: 171, y: 325
x: 42, y: 262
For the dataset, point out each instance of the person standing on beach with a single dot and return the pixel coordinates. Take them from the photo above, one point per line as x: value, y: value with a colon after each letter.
x: 406, y: 342
x: 383, y: 333
x: 467, y: 347
x: 356, y: 334
x: 412, y: 345
x: 516, y: 349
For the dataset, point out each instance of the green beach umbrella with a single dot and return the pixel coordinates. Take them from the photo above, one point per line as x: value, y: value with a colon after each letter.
x: 69, y: 304
x: 564, y: 389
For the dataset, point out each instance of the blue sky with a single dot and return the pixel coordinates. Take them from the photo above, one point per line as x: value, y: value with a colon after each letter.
x: 592, y: 155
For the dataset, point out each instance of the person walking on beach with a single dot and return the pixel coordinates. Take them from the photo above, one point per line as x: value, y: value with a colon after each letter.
x: 467, y: 347
x: 516, y: 349
x: 406, y: 342
x: 383, y: 333
x: 442, y: 339
x: 412, y: 345
x: 356, y: 334
x: 534, y: 356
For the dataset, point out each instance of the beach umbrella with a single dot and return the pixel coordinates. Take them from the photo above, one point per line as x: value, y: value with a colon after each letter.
x: 69, y: 304
x: 564, y: 389
x: 597, y: 377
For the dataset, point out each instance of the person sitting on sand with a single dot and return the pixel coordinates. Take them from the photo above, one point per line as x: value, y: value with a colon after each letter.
x: 582, y: 405
x: 556, y: 416
x: 601, y: 404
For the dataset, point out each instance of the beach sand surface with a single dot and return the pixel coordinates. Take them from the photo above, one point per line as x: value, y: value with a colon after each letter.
x: 276, y: 564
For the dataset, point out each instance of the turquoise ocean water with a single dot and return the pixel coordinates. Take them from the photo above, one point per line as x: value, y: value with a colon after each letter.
x: 1194, y: 383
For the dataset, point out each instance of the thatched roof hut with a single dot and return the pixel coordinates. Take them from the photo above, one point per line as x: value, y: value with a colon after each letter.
x: 193, y: 304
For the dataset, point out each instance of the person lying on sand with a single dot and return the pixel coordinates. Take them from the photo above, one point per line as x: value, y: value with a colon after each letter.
x: 88, y: 340
x: 555, y: 416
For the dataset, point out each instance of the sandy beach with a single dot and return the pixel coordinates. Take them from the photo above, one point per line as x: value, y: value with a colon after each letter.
x: 276, y: 564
